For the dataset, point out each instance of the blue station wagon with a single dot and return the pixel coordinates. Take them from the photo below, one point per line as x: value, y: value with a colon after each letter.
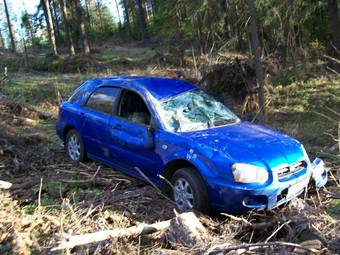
x: 186, y: 142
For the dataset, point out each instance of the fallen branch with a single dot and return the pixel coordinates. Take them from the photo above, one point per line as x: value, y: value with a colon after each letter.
x: 237, y: 219
x: 333, y: 59
x: 94, y: 178
x: 277, y: 230
x: 5, y: 185
x: 339, y: 135
x: 332, y: 195
x: 249, y: 225
x: 224, y: 248
x: 143, y: 229
x: 333, y: 71
x: 154, y: 186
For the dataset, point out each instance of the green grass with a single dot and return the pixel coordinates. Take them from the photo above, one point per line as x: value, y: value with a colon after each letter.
x: 48, y: 126
x: 41, y: 91
x: 305, y: 111
x: 54, y: 191
x: 334, y: 207
x: 110, y: 55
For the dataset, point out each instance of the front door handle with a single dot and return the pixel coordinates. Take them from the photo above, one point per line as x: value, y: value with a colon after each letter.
x: 118, y: 126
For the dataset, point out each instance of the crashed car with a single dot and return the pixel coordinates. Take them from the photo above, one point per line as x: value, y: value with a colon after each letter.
x: 186, y: 142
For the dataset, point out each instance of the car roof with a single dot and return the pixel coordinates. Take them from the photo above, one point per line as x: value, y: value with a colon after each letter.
x: 159, y: 88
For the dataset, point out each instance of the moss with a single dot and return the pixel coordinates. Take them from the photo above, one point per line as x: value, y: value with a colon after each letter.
x: 29, y: 209
x: 334, y: 207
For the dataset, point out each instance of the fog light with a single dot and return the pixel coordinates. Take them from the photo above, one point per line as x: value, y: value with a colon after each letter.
x: 255, y: 200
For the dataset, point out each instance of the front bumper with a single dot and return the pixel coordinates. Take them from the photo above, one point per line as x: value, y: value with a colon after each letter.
x: 238, y: 198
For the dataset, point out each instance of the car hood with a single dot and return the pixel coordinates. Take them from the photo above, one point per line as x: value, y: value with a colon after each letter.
x: 249, y: 143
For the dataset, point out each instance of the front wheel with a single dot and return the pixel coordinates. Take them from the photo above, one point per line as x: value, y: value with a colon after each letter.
x: 189, y: 190
x: 75, y: 146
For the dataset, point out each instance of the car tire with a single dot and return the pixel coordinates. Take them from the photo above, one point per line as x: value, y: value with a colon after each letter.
x: 74, y: 146
x: 189, y: 183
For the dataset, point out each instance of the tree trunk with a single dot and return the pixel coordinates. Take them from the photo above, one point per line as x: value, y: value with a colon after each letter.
x: 153, y: 8
x: 1, y: 40
x: 257, y: 56
x: 50, y: 29
x: 120, y: 22
x: 31, y: 36
x: 226, y: 23
x: 25, y: 49
x: 141, y: 18
x: 99, y: 11
x: 85, y: 42
x: 126, y: 13
x: 334, y: 22
x: 88, y: 12
x: 73, y: 23
x: 67, y: 28
x: 55, y: 18
x: 9, y: 27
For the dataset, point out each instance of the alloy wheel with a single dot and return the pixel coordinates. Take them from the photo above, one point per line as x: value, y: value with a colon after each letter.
x: 73, y: 147
x: 183, y: 194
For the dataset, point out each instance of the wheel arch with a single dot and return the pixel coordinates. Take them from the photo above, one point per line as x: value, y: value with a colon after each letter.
x: 174, y: 165
x: 177, y: 164
x: 66, y: 130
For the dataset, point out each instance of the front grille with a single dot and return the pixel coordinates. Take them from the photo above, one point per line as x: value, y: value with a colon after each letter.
x: 292, y: 169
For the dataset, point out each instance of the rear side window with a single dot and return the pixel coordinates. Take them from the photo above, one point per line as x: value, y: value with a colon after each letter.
x: 79, y: 93
x: 103, y: 99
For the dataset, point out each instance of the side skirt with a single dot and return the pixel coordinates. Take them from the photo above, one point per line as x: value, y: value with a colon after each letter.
x: 129, y: 171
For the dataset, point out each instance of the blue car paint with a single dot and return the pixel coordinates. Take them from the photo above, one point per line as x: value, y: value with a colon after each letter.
x: 212, y: 151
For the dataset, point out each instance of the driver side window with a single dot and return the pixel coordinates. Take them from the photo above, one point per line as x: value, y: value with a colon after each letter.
x: 133, y: 108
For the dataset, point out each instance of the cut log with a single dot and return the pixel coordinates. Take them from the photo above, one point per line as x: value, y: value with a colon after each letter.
x: 314, y: 244
x: 5, y: 185
x: 143, y: 229
x: 186, y: 230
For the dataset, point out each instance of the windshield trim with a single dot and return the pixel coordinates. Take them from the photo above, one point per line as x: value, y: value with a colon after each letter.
x: 165, y: 99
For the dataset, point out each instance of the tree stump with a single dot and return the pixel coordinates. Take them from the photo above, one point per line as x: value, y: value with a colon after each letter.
x: 186, y: 230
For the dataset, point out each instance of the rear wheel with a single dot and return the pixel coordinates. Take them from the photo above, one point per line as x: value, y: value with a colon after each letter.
x: 75, y: 146
x: 189, y: 190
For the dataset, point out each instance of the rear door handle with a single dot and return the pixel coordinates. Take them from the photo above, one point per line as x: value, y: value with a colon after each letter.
x: 118, y: 126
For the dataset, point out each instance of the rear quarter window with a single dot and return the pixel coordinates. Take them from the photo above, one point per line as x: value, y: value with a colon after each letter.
x: 79, y: 92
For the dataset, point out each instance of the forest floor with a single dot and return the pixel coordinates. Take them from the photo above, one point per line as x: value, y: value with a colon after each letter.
x: 51, y: 197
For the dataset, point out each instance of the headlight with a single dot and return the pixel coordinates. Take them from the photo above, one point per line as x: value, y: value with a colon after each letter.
x: 245, y: 173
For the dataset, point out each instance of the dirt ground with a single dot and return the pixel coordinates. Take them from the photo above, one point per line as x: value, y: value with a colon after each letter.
x: 50, y: 197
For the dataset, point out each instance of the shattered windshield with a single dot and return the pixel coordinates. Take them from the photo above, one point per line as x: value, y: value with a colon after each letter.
x: 193, y: 110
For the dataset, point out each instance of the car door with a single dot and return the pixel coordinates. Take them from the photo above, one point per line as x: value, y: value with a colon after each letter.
x: 129, y: 134
x: 96, y: 112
